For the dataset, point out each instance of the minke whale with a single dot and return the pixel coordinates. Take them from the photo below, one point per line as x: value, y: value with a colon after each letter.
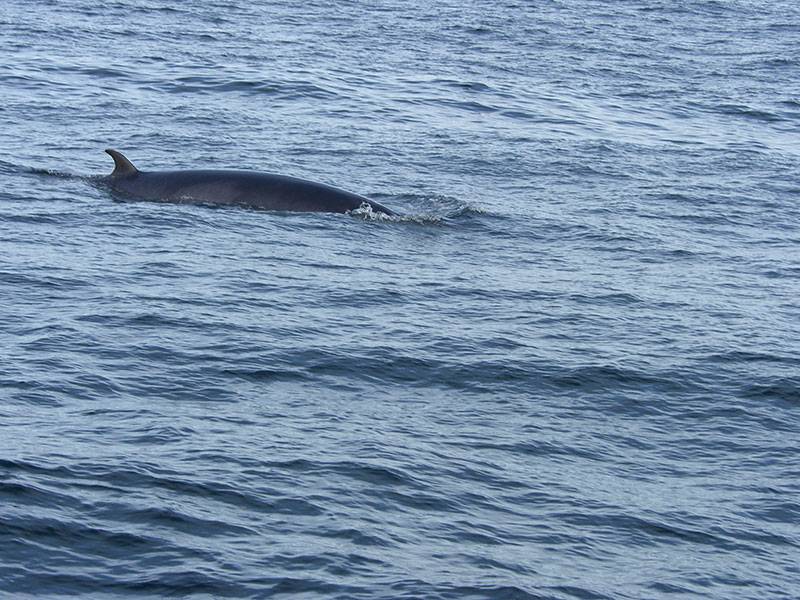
x: 251, y: 189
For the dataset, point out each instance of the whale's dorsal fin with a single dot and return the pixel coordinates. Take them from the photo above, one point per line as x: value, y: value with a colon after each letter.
x: 122, y: 166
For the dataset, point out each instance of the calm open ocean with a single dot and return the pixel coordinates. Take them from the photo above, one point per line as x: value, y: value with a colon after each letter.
x: 570, y: 370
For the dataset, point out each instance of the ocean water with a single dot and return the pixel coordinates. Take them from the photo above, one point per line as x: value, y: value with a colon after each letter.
x: 570, y: 369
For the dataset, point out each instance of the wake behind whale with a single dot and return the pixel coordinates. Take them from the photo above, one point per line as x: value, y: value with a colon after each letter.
x: 251, y: 189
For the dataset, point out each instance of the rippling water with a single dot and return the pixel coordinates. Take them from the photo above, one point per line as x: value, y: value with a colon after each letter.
x: 570, y: 370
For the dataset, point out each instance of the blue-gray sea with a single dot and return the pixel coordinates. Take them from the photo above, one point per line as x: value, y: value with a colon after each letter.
x: 569, y: 370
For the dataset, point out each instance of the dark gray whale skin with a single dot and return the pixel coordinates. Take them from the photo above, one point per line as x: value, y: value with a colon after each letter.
x: 252, y: 189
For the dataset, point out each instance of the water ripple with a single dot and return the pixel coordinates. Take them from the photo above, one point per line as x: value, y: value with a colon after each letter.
x: 567, y: 370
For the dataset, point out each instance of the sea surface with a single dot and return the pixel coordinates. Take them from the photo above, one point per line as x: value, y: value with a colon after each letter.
x: 569, y: 370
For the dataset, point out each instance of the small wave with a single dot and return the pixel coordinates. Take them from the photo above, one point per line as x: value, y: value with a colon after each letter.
x: 748, y: 112
x: 420, y: 589
x: 39, y: 218
x: 786, y: 390
x: 202, y: 84
x: 779, y: 62
x: 51, y: 282
x: 466, y: 105
x: 8, y: 167
x: 171, y: 519
x: 470, y: 86
x: 266, y: 375
x: 488, y: 375
x: 613, y: 299
x: 741, y: 356
x: 97, y: 72
x: 472, y: 29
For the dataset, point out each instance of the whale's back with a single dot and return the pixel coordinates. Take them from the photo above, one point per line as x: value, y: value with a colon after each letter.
x: 252, y: 189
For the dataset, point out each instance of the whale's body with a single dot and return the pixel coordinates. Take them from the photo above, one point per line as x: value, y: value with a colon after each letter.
x: 252, y: 189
